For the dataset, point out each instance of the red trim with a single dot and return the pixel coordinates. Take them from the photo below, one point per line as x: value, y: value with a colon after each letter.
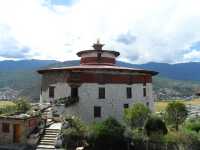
x: 96, y: 60
x: 109, y: 78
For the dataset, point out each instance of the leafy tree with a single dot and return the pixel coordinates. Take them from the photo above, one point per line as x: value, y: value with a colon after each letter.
x: 155, y: 125
x: 136, y: 116
x: 75, y: 134
x: 108, y: 134
x: 176, y: 113
x: 23, y: 105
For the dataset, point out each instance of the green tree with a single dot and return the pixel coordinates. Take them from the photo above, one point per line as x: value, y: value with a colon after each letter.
x: 23, y: 105
x: 136, y: 116
x: 108, y: 134
x: 75, y: 134
x: 176, y: 113
x: 155, y: 126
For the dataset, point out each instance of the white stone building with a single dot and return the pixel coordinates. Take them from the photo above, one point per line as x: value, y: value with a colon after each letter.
x: 97, y: 88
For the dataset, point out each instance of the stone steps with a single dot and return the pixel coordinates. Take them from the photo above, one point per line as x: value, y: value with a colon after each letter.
x: 52, y: 133
x: 47, y: 143
x: 48, y: 140
x: 45, y: 147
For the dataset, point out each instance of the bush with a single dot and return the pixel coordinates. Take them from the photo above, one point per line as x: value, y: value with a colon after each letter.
x: 23, y: 105
x: 155, y: 126
x: 136, y: 116
x: 193, y: 124
x: 108, y: 134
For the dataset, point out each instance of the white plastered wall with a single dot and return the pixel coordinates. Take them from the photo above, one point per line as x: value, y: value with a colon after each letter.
x: 112, y: 105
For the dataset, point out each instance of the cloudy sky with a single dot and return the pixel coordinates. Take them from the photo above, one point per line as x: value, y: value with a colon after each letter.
x: 142, y: 30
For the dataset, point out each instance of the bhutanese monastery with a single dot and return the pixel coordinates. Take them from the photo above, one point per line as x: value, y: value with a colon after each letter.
x: 97, y: 88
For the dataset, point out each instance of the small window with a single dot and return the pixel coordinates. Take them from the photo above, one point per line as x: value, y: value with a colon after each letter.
x: 97, y: 111
x: 51, y: 91
x: 74, y: 91
x: 126, y: 106
x: 147, y: 104
x: 5, y: 127
x: 128, y: 92
x: 101, y: 93
x: 144, y: 92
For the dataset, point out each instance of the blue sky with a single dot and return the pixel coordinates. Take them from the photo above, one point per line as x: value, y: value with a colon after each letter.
x: 159, y: 31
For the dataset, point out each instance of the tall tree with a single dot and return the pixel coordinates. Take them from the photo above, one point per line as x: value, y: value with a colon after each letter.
x: 176, y: 113
x: 136, y: 116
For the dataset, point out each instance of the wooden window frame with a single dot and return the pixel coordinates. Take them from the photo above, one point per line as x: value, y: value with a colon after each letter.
x: 102, y: 93
x: 97, y: 111
x: 51, y: 91
x: 74, y: 89
x: 128, y: 92
x: 144, y: 91
x: 126, y: 106
x: 5, y: 127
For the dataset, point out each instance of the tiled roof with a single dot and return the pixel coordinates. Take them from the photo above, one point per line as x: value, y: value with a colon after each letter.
x: 98, y: 67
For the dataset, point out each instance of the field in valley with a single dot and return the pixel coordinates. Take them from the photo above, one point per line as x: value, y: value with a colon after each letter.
x: 160, y: 106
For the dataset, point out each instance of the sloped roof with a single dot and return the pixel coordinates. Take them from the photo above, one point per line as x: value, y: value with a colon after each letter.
x: 98, y: 67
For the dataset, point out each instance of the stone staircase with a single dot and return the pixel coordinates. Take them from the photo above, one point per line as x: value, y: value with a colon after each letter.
x: 48, y: 140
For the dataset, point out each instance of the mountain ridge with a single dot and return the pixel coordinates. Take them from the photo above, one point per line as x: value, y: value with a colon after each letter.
x: 174, y: 80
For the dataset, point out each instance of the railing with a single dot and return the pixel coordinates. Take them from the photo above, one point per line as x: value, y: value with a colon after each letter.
x: 67, y: 101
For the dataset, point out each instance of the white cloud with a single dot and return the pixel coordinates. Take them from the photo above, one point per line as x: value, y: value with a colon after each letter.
x: 193, y: 55
x: 163, y: 30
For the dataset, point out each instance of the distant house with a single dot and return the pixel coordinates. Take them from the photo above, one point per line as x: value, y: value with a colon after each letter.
x: 97, y: 88
x: 15, y: 129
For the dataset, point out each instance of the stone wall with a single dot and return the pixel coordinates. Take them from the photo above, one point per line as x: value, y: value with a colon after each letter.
x: 112, y: 105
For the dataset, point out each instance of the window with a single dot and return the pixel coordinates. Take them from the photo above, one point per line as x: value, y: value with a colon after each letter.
x: 5, y: 127
x: 147, y: 104
x: 128, y: 92
x: 74, y: 91
x: 144, y: 92
x: 101, y: 93
x: 51, y: 91
x: 126, y: 106
x: 97, y: 111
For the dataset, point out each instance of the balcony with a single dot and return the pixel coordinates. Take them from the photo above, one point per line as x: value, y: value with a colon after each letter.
x: 67, y: 101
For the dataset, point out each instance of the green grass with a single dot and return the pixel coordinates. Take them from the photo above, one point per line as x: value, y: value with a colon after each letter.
x: 7, y: 107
